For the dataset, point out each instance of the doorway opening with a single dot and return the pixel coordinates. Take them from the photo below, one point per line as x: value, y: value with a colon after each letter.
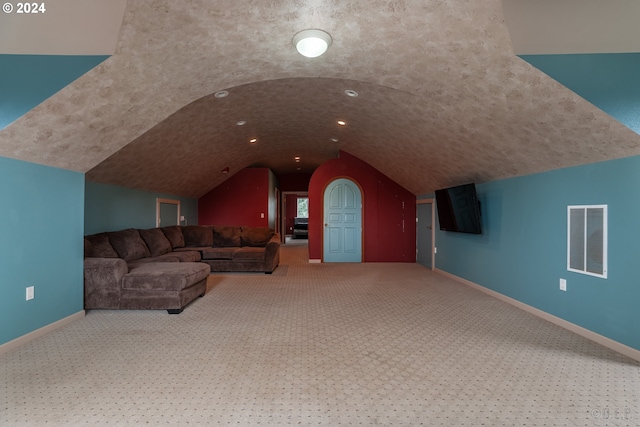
x: 167, y: 212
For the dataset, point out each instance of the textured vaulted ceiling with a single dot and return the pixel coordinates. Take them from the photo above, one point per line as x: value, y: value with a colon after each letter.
x: 442, y: 98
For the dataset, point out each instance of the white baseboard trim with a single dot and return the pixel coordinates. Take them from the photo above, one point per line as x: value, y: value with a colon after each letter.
x: 315, y: 261
x: 13, y: 344
x: 586, y: 333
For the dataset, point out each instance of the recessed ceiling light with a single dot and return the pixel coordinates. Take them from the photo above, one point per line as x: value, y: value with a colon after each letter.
x: 221, y: 94
x: 334, y: 139
x: 312, y: 43
x: 342, y: 123
x: 350, y: 92
x: 225, y: 170
x: 241, y: 122
x: 296, y: 158
x: 253, y: 140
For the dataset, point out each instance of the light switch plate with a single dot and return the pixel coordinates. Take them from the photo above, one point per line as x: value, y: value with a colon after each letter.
x: 563, y: 284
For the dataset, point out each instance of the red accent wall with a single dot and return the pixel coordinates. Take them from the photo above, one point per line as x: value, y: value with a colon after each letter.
x: 294, y: 181
x: 385, y: 206
x: 238, y: 201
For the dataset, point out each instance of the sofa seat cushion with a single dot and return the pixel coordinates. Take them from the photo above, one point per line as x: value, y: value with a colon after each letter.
x: 249, y: 254
x: 167, y: 276
x: 175, y: 256
x: 219, y: 253
x: 186, y: 256
x: 162, y: 258
x: 190, y: 249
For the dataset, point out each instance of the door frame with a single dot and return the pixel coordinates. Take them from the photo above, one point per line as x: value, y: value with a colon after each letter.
x: 433, y: 228
x: 168, y: 202
x: 283, y: 208
x: 278, y: 208
x: 362, y: 222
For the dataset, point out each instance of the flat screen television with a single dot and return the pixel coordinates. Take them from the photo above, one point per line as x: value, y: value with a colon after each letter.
x: 459, y: 209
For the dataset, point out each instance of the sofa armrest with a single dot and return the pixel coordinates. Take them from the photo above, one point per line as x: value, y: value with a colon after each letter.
x: 272, y: 253
x: 102, y: 282
x: 275, y: 240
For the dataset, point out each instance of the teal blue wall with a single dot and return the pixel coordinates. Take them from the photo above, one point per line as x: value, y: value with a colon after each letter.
x: 111, y: 208
x: 522, y: 251
x: 27, y: 80
x: 41, y: 229
x: 607, y: 80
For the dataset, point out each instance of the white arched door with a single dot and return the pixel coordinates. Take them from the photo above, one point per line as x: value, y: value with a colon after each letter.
x: 342, y: 240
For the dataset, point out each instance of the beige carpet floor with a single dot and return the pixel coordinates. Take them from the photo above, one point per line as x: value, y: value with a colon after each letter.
x: 320, y: 344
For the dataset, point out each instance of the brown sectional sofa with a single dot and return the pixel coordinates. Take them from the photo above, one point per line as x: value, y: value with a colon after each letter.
x: 167, y: 268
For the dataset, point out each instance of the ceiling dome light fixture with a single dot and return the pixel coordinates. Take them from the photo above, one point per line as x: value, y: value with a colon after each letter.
x: 350, y: 92
x: 312, y: 43
x: 253, y: 140
x: 221, y: 94
x: 241, y: 122
x: 342, y: 123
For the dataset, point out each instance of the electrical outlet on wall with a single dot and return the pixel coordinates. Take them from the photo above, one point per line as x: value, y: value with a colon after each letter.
x: 30, y: 293
x: 563, y: 284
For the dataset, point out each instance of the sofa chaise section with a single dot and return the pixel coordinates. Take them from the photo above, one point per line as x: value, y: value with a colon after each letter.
x: 111, y: 283
x: 164, y: 286
x: 120, y: 272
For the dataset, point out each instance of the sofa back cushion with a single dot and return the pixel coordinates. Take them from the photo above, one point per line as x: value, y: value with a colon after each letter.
x: 156, y: 241
x: 129, y: 244
x: 256, y: 236
x: 226, y: 237
x: 98, y: 246
x: 197, y: 236
x: 175, y: 236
